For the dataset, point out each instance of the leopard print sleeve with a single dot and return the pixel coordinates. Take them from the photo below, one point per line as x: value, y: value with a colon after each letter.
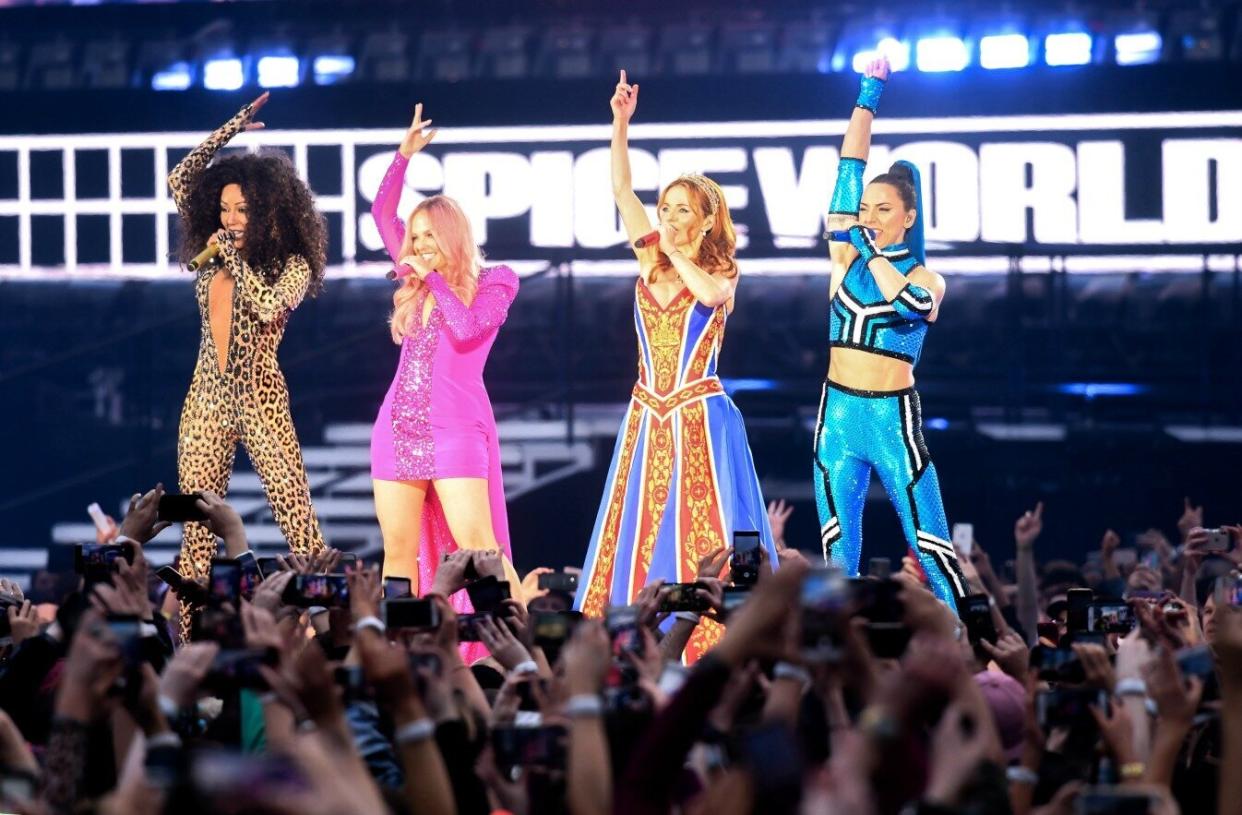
x: 268, y: 300
x: 186, y: 173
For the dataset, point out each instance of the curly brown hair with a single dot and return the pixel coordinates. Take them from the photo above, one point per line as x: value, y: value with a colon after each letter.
x: 282, y: 219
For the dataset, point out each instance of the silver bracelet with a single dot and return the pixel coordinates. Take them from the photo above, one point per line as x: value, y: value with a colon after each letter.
x: 787, y: 670
x: 1022, y: 775
x: 1130, y: 686
x: 584, y: 704
x: 415, y: 731
x: 370, y: 621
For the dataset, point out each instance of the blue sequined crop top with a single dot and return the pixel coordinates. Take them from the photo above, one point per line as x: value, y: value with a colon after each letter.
x: 861, y: 318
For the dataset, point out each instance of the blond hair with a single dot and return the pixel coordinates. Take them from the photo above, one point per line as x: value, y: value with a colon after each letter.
x: 451, y: 229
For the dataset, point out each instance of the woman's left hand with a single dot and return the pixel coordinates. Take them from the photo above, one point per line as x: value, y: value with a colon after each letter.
x: 413, y: 261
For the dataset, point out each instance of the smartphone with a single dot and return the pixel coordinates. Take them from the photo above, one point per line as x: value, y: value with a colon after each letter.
x: 1057, y: 664
x: 98, y: 517
x: 1229, y: 590
x: 1196, y: 661
x: 553, y: 627
x: 97, y: 560
x: 1069, y: 707
x: 191, y: 591
x: 881, y: 568
x: 1077, y: 601
x: 1110, y: 618
x: 269, y: 566
x: 353, y: 682
x: 623, y: 628
x: 744, y: 561
x: 683, y: 597
x: 1113, y: 801
x: 128, y: 632
x: 975, y: 611
x: 224, y: 584
x: 180, y: 507
x: 232, y: 669
x: 559, y: 581
x: 306, y: 590
x: 735, y: 596
x: 468, y: 626
x: 487, y: 593
x: 395, y: 587
x: 542, y: 747
x: 348, y: 561
x: 6, y: 600
x: 251, y: 574
x: 1218, y: 540
x: 964, y: 538
x: 409, y: 612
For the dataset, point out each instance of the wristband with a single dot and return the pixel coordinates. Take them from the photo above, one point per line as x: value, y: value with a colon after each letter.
x: 527, y: 666
x: 787, y: 670
x: 869, y: 91
x: 1130, y: 686
x: 415, y: 731
x: 1022, y: 775
x: 688, y: 616
x: 166, y: 739
x: 584, y: 704
x: 370, y: 621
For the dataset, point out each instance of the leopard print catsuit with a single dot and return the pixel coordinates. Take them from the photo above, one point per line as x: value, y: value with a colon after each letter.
x: 245, y: 399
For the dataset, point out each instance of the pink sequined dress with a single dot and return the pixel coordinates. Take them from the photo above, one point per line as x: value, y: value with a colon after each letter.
x: 436, y: 421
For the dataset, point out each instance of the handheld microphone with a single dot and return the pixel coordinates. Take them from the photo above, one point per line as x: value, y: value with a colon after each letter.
x: 202, y: 257
x: 399, y: 272
x: 650, y: 239
x: 843, y: 235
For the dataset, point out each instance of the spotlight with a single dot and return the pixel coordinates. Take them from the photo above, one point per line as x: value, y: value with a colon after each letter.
x: 278, y: 71
x: 1067, y: 48
x: 176, y: 77
x: 941, y: 53
x: 1138, y: 47
x: 223, y: 74
x: 329, y: 69
x: 1004, y: 51
x: 897, y: 52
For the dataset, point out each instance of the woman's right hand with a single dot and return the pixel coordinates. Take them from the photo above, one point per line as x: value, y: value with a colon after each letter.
x: 255, y: 106
x: 878, y: 68
x: 624, y: 100
x: 417, y: 137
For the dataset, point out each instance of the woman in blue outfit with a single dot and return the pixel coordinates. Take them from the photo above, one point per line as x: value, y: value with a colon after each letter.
x: 882, y: 301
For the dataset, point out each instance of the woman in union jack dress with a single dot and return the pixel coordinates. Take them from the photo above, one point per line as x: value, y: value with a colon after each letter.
x: 682, y: 479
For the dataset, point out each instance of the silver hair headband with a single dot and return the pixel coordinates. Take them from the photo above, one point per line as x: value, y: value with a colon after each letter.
x: 700, y: 181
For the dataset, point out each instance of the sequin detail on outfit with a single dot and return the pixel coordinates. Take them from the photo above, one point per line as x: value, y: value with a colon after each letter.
x: 247, y: 402
x: 414, y: 449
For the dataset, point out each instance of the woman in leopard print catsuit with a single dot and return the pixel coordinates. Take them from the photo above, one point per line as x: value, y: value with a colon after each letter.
x: 272, y: 253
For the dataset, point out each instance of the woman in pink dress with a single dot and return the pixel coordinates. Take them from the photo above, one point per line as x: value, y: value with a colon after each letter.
x: 435, y: 457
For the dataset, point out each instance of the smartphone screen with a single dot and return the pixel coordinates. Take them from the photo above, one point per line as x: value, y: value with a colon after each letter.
x: 224, y: 585
x: 306, y: 590
x: 251, y: 574
x: 1110, y: 618
x: 269, y: 566
x: 744, y: 562
x: 397, y: 587
x: 964, y: 538
x: 100, y: 558
x: 179, y: 507
x: 410, y: 612
x: 486, y: 593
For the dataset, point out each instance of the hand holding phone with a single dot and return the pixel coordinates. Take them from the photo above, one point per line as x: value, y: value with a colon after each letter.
x: 964, y: 538
x: 745, y: 559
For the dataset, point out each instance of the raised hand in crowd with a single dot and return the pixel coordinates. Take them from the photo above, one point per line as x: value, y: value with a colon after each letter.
x: 1192, y: 517
x: 778, y: 513
x: 141, y: 522
x: 224, y: 522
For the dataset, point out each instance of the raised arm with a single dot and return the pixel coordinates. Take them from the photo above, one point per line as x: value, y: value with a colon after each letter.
x: 182, y: 178
x: 624, y: 101
x: 384, y: 208
x: 488, y: 310
x: 847, y: 194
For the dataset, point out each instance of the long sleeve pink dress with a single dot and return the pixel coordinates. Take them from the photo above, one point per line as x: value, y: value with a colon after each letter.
x: 437, y: 421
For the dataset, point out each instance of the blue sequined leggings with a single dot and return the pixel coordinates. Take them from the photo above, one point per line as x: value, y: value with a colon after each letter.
x: 861, y: 430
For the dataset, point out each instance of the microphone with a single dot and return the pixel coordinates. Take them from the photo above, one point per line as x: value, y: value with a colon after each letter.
x: 843, y: 235
x: 650, y: 239
x: 202, y: 257
x: 399, y: 272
